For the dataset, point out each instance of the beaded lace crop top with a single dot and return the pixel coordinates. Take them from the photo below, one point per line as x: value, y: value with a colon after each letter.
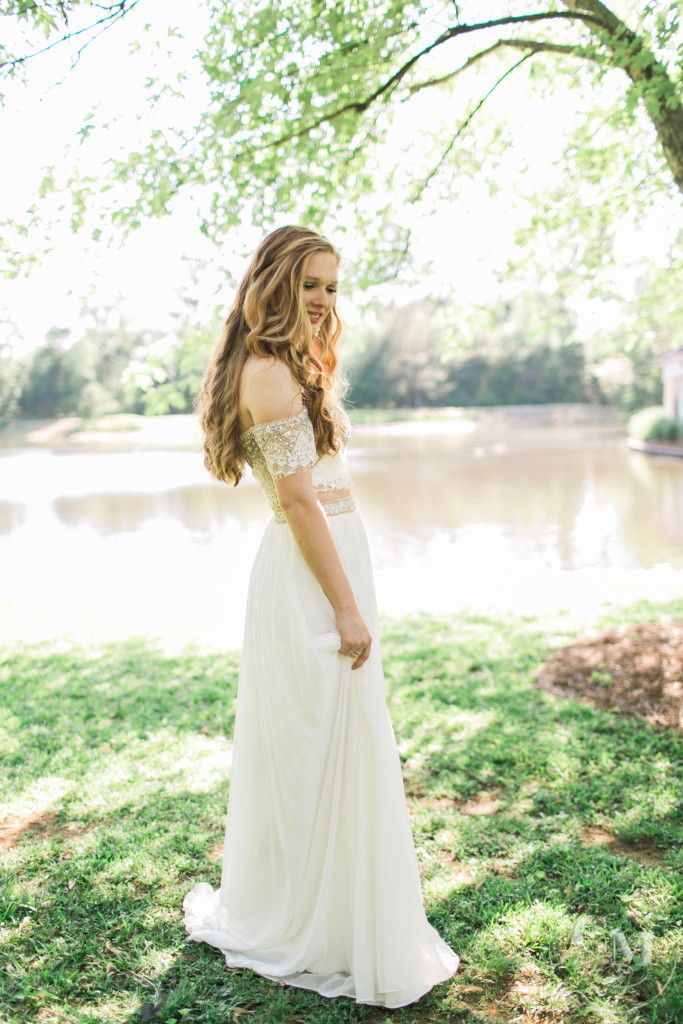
x: 279, y: 448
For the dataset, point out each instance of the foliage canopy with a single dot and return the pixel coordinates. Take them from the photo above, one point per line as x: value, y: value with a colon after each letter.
x: 315, y: 107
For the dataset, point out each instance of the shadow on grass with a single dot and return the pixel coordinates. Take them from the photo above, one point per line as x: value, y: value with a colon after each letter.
x: 116, y: 773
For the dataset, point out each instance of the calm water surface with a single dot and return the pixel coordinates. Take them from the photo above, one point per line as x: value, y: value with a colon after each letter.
x: 104, y: 545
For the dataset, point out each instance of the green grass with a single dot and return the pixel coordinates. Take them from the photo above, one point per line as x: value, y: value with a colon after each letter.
x: 542, y: 825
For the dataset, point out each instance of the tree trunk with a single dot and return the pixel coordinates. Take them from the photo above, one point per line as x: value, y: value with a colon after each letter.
x: 669, y: 125
x: 662, y: 101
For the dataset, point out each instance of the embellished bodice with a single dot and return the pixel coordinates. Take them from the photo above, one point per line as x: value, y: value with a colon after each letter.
x: 279, y: 448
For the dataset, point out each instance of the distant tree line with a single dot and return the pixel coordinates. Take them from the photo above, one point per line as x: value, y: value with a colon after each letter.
x: 513, y: 353
x: 105, y: 371
x: 427, y: 353
x: 544, y: 375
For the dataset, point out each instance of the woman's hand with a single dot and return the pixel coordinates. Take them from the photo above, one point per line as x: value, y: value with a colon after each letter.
x: 355, y: 637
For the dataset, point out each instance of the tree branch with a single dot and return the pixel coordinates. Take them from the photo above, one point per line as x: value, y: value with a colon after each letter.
x: 62, y: 7
x: 359, y: 107
x: 115, y: 12
x: 423, y: 184
x: 459, y: 30
x: 655, y: 87
x: 532, y: 45
x: 608, y: 20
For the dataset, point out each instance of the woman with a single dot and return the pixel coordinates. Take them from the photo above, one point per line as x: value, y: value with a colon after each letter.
x: 320, y: 887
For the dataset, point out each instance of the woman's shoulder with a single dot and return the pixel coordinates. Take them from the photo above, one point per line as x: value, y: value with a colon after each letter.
x: 268, y: 390
x: 267, y: 372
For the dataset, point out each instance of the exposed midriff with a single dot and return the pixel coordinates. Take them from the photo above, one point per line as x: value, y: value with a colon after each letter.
x: 325, y: 496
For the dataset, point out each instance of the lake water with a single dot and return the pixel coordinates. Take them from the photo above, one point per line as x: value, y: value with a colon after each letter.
x: 102, y: 545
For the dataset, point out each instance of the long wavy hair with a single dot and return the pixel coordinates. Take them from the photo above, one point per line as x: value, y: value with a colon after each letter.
x: 269, y: 319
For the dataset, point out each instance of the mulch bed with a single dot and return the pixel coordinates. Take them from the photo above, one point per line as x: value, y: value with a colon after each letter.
x: 634, y: 671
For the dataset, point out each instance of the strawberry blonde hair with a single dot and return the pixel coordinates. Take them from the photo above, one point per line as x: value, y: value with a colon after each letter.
x: 269, y: 319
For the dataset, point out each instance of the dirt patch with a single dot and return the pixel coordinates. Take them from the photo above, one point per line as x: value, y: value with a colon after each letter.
x: 382, y: 1016
x: 484, y: 803
x: 417, y: 801
x: 35, y: 824
x: 488, y: 1001
x: 41, y: 825
x: 643, y: 852
x: 634, y: 671
x: 460, y: 872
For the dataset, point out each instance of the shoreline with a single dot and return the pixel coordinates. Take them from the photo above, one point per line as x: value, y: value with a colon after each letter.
x: 666, y: 448
x: 181, y: 432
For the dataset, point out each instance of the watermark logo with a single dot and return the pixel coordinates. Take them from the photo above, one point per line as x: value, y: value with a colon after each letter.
x: 619, y: 941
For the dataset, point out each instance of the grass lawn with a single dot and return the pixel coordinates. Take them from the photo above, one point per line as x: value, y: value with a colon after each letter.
x: 549, y: 835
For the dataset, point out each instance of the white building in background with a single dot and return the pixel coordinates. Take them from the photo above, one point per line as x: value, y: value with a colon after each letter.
x: 672, y: 377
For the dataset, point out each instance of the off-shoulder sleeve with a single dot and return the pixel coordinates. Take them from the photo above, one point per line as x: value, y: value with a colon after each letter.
x: 287, y: 445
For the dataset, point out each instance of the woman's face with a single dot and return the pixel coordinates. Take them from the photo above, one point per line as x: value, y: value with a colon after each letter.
x: 320, y: 287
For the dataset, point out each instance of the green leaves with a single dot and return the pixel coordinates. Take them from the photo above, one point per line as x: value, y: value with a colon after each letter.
x: 316, y: 111
x: 304, y: 102
x: 40, y: 23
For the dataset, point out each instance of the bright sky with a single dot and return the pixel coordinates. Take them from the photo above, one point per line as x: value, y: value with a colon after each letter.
x: 147, y: 277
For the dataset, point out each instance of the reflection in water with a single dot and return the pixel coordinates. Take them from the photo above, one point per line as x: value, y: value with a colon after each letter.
x: 12, y: 515
x: 108, y: 544
x: 574, y: 501
x: 201, y: 509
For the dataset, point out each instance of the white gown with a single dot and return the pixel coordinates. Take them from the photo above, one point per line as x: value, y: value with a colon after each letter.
x: 320, y: 886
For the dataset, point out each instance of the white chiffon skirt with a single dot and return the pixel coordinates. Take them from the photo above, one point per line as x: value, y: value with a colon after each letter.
x: 320, y: 887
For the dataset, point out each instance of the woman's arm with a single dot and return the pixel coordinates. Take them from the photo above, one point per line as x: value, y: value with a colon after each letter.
x: 270, y: 393
x: 311, y: 531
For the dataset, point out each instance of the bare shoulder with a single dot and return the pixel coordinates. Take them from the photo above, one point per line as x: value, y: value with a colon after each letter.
x: 268, y: 391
